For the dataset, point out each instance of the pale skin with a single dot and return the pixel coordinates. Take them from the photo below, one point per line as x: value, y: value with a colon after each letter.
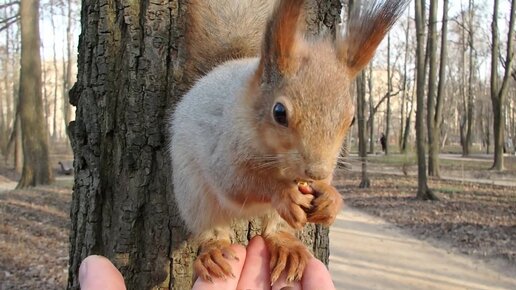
x: 251, y: 271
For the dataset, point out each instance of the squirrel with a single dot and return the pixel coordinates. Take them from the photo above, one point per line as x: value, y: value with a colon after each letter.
x: 260, y: 131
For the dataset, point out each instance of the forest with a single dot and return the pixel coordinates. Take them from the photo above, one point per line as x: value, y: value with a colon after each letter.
x: 85, y: 87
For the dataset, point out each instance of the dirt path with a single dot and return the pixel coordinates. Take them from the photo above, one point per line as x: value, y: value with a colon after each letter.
x: 369, y: 253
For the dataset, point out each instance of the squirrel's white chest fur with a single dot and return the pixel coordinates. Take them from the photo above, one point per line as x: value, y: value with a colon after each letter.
x: 207, y: 135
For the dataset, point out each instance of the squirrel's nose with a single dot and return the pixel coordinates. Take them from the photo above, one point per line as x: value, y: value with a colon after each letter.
x: 317, y: 172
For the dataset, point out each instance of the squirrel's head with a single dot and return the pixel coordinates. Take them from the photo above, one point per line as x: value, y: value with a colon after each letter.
x: 301, y: 92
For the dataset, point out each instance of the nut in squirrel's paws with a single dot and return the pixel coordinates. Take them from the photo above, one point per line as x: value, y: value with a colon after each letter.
x: 212, y: 260
x: 326, y: 204
x: 292, y: 205
x: 287, y: 254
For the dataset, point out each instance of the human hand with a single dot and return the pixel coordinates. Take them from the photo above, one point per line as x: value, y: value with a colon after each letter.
x: 251, y: 272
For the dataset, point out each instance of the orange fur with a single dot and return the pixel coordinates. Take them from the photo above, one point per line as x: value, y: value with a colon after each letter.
x: 280, y: 38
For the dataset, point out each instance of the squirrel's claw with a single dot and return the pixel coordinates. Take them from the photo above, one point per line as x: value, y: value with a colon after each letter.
x: 212, y: 260
x: 326, y: 204
x: 287, y: 254
x: 292, y: 205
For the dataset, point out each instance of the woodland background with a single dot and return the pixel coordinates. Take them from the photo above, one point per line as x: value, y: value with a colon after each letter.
x: 442, y: 89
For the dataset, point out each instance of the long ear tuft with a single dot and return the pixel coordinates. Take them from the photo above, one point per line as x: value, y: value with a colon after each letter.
x: 279, y: 44
x: 367, y: 26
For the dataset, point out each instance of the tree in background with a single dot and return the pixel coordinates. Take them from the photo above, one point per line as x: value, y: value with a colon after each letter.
x: 36, y: 169
x: 499, y: 90
x: 423, y: 191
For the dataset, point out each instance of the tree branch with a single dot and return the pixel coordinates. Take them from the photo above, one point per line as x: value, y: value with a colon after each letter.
x: 2, y: 28
x: 2, y: 6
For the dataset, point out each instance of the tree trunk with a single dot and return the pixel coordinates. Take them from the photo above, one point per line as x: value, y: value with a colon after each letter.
x: 471, y: 97
x: 362, y: 142
x: 18, y: 148
x: 437, y: 118
x: 67, y: 71
x: 389, y: 91
x: 405, y: 87
x: 432, y: 81
x: 54, y: 63
x: 372, y: 140
x: 131, y: 74
x: 423, y: 192
x: 499, y: 91
x: 36, y: 169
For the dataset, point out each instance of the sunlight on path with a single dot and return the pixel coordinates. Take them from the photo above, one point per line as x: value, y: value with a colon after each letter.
x: 369, y: 253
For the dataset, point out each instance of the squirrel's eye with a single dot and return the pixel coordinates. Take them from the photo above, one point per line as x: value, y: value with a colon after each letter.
x: 279, y: 113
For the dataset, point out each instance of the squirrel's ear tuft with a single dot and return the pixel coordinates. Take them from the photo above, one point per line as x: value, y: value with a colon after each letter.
x: 367, y: 26
x: 281, y: 37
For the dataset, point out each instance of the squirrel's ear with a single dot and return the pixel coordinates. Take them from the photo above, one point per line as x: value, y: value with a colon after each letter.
x: 280, y: 40
x: 367, y: 26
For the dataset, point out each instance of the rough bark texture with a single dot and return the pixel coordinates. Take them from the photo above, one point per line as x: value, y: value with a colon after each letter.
x: 36, y: 168
x: 131, y: 73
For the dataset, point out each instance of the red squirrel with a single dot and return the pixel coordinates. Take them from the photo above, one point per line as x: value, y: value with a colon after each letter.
x: 260, y: 134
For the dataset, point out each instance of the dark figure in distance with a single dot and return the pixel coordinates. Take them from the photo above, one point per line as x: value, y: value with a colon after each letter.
x: 383, y: 142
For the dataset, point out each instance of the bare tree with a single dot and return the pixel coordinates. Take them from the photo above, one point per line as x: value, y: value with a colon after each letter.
x: 432, y: 77
x: 36, y: 169
x: 499, y: 90
x: 435, y: 100
x: 423, y: 191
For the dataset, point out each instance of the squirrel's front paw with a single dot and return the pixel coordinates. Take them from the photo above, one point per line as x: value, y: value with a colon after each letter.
x: 326, y: 204
x: 292, y: 206
x: 287, y: 253
x: 211, y: 261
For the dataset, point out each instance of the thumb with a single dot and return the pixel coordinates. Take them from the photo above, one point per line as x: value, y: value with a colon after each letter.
x: 98, y: 273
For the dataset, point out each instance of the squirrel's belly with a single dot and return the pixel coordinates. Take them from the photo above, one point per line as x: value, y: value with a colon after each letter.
x: 246, y: 205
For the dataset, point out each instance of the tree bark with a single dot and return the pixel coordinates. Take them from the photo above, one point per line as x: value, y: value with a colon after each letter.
x: 499, y: 91
x: 67, y: 77
x: 372, y: 140
x: 423, y: 191
x: 437, y: 119
x: 362, y: 142
x: 389, y: 90
x: 36, y: 169
x: 404, y: 87
x: 471, y: 97
x: 431, y: 96
x: 131, y: 74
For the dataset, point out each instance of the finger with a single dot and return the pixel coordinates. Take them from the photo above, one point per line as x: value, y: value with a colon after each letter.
x: 316, y: 276
x: 97, y: 272
x: 256, y: 271
x: 282, y: 284
x: 230, y: 282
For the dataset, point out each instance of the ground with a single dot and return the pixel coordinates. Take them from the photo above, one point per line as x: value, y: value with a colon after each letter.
x: 477, y: 220
x: 474, y: 219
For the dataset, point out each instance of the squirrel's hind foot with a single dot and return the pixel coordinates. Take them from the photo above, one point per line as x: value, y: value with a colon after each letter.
x: 287, y: 253
x: 212, y: 260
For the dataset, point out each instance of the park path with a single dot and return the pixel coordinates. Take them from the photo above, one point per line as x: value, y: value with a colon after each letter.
x: 368, y: 253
